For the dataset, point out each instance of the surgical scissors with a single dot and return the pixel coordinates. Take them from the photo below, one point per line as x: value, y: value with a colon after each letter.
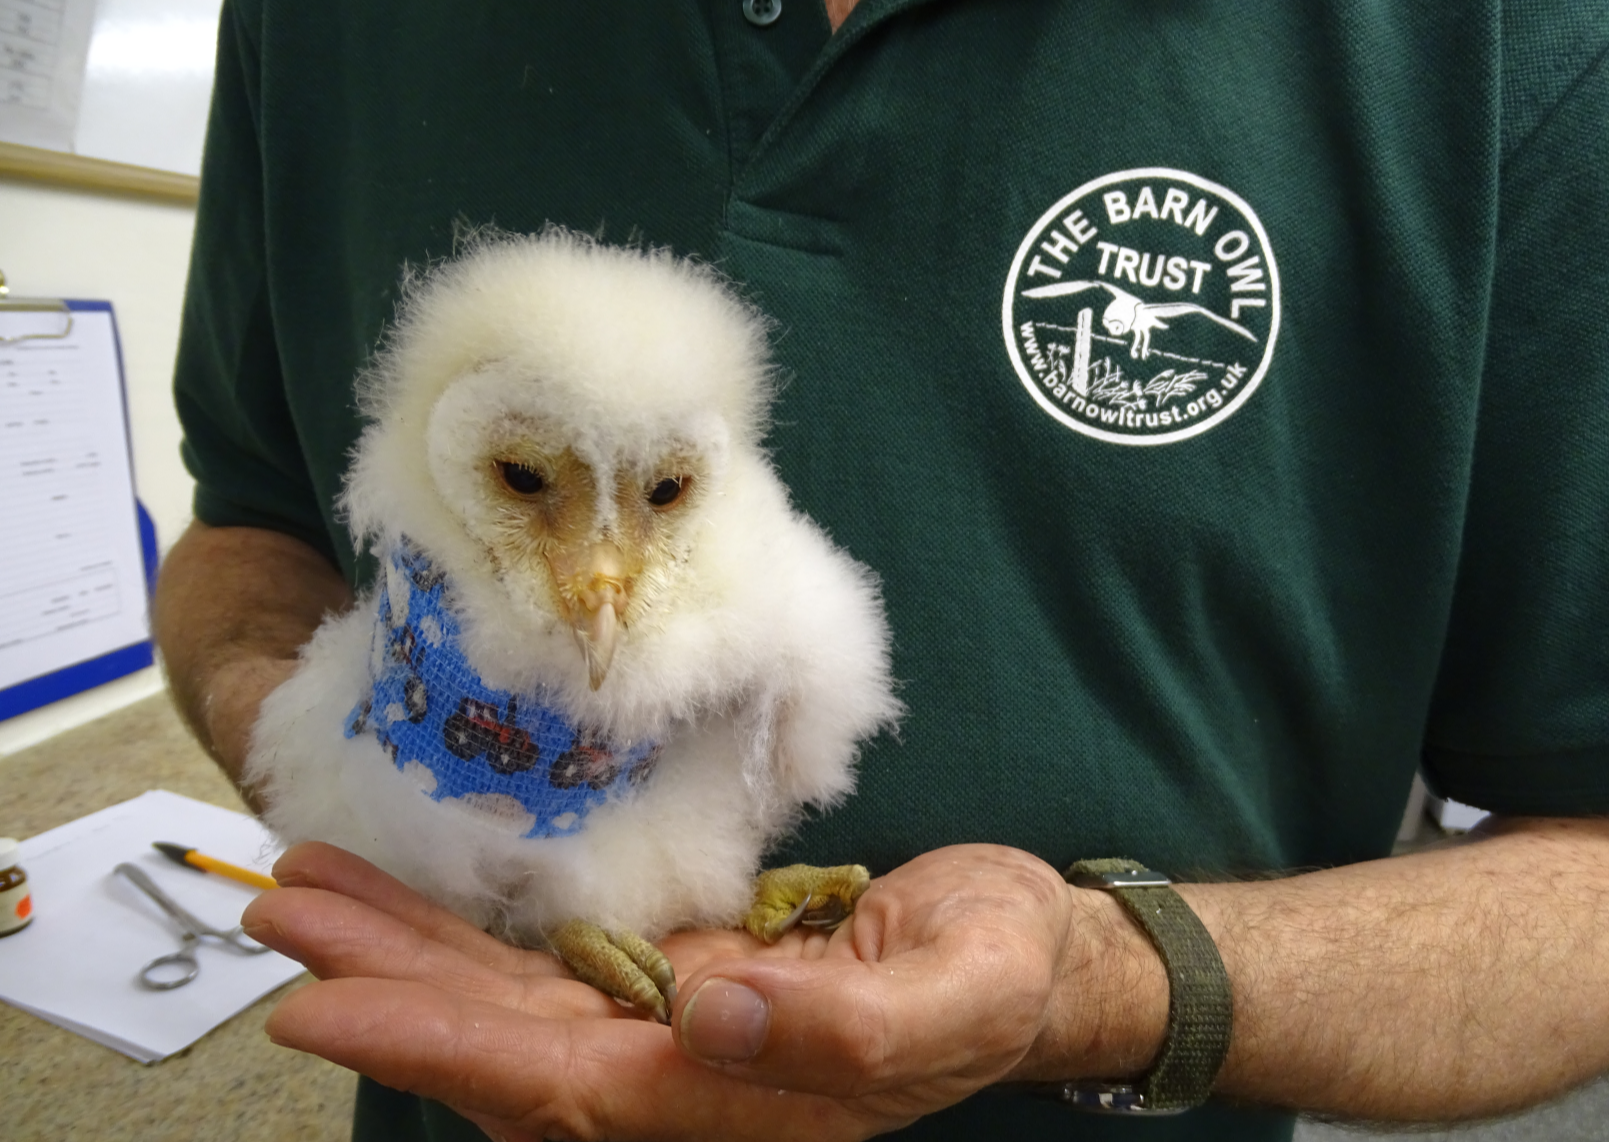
x: 151, y: 975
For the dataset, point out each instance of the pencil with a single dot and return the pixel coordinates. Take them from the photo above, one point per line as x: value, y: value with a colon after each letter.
x: 201, y: 861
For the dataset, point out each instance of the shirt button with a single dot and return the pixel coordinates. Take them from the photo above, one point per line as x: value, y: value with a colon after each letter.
x: 762, y: 13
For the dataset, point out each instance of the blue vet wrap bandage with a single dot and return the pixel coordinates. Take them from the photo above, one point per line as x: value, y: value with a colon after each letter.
x: 501, y: 753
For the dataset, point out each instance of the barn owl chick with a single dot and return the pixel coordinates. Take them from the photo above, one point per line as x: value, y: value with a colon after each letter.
x: 604, y: 663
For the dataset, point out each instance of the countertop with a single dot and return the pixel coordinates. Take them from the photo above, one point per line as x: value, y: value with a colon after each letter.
x: 231, y: 1085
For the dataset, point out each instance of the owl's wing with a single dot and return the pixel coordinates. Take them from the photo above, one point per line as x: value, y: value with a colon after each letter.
x: 1180, y: 308
x: 1062, y: 289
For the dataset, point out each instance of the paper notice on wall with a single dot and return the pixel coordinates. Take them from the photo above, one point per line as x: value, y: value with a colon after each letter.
x: 148, y: 83
x: 43, y: 45
x: 72, y: 577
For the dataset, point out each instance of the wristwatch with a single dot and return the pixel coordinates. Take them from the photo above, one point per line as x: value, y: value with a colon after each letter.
x: 1199, y: 1013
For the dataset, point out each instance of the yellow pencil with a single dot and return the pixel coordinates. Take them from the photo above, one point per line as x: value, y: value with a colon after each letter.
x: 205, y: 863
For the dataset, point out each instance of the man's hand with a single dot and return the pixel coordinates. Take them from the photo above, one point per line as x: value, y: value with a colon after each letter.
x: 1450, y: 984
x: 233, y: 606
x: 940, y: 983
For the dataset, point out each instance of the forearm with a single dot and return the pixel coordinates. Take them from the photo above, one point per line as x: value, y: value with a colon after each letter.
x: 1450, y: 984
x: 233, y: 606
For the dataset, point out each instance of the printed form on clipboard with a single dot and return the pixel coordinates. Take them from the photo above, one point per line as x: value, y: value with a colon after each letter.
x: 73, y: 584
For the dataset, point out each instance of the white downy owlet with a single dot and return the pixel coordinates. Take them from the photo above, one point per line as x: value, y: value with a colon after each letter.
x: 605, y: 663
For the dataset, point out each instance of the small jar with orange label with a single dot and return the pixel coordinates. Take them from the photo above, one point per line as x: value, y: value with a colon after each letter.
x: 16, y: 905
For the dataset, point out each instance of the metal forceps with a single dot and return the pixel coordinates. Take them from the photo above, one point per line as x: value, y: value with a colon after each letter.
x: 153, y: 974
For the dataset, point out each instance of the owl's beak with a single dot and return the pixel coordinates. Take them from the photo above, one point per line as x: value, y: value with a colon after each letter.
x: 597, y: 632
x: 595, y: 588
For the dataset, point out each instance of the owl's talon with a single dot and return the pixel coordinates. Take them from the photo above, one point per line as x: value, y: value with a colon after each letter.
x: 794, y: 916
x: 802, y: 894
x: 618, y: 963
x: 827, y: 916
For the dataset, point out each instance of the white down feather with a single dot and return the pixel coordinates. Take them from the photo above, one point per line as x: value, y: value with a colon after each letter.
x: 761, y: 664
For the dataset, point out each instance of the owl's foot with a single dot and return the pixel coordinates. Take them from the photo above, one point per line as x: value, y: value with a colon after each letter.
x: 618, y: 963
x: 819, y: 898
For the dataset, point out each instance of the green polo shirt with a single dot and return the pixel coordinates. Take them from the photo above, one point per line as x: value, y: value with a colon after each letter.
x: 1221, y: 390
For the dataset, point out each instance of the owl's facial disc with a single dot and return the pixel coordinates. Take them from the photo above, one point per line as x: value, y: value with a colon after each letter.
x: 603, y: 557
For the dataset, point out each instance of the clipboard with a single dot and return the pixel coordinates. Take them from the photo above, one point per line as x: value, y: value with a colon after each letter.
x: 78, y: 552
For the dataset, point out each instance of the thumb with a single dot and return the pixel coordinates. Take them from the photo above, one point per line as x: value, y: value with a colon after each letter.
x: 847, y: 1027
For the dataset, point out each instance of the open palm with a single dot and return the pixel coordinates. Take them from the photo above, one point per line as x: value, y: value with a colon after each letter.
x: 940, y: 984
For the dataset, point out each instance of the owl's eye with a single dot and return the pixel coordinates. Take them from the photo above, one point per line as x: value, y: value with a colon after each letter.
x: 520, y: 479
x: 667, y: 491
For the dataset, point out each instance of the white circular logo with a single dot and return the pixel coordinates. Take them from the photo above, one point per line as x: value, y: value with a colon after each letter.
x: 1143, y: 307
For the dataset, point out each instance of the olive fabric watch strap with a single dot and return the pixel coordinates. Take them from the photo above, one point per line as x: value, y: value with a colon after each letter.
x: 1199, y: 1011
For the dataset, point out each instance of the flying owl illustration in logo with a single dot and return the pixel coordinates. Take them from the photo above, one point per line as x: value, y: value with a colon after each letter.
x: 1127, y: 315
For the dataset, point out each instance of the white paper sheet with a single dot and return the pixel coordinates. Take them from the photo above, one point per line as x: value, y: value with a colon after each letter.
x: 43, y: 44
x: 148, y: 83
x: 77, y: 964
x: 72, y: 578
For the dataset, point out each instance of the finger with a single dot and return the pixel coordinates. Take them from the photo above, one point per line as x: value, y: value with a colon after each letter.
x: 941, y: 1020
x: 691, y: 951
x: 335, y: 936
x: 317, y: 865
x: 618, y: 1079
